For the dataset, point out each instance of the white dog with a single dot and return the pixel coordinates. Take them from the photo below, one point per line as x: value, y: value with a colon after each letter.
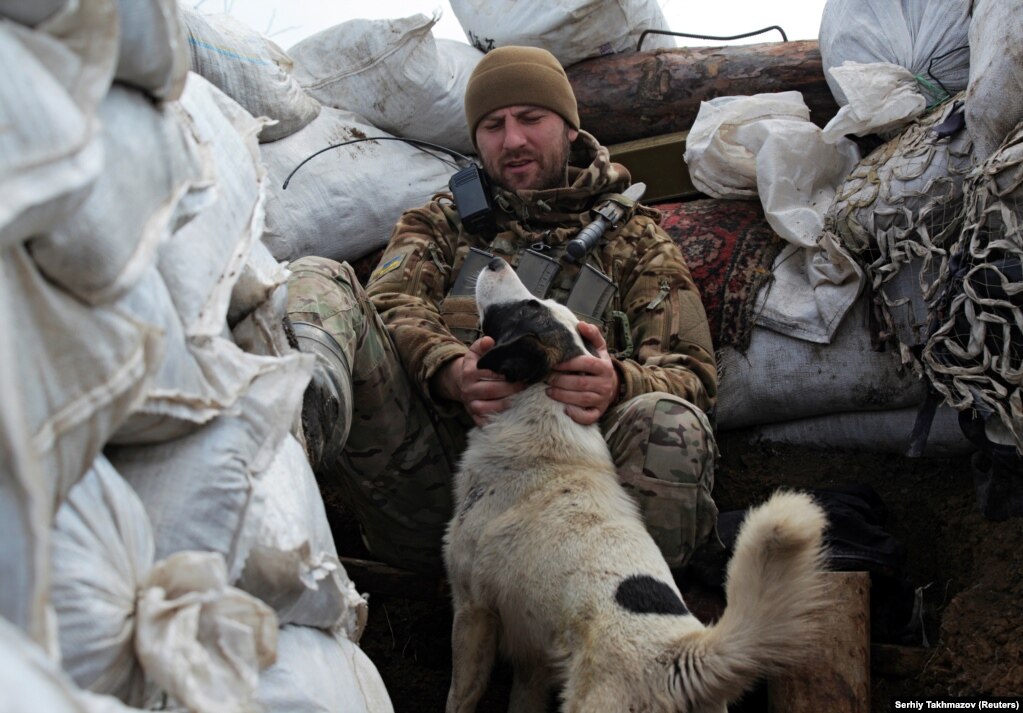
x: 547, y: 556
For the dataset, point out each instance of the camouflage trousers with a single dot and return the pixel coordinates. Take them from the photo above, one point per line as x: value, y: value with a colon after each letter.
x: 392, y: 460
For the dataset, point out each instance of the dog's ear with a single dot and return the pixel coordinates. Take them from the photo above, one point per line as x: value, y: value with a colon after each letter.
x: 519, y: 358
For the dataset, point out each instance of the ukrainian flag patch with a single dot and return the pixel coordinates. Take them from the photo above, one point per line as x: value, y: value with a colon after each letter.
x: 390, y: 265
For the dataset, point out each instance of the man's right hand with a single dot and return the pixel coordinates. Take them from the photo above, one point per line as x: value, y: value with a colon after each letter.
x: 482, y: 392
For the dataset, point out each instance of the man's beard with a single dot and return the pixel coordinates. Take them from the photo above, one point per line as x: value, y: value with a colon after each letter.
x: 553, y: 167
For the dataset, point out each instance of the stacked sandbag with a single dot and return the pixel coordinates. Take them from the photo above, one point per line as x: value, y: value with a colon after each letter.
x: 973, y: 358
x: 158, y: 507
x: 899, y: 212
x: 344, y: 202
x: 129, y: 621
x: 251, y: 69
x: 572, y: 31
x: 927, y: 37
x: 845, y: 394
x: 394, y: 74
x: 994, y: 98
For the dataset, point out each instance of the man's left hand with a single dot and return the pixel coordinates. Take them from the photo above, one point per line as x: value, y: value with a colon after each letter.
x: 586, y: 384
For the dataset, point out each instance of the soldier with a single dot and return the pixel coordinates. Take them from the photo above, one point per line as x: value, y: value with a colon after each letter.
x: 397, y: 387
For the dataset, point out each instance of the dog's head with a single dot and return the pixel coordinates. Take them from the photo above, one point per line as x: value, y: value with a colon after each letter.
x: 530, y: 335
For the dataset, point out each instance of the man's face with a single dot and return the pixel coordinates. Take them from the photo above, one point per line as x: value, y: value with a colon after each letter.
x: 525, y: 147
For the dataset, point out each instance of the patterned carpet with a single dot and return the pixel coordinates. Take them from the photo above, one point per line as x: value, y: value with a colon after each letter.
x: 730, y: 249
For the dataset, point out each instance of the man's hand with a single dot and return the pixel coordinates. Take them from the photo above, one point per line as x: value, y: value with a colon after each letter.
x: 587, y: 385
x: 481, y: 391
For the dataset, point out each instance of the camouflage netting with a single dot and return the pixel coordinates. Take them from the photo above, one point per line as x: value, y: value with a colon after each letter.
x: 898, y: 212
x: 975, y: 358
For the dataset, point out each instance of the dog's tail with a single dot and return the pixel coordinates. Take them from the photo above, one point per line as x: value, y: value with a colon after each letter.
x: 775, y: 605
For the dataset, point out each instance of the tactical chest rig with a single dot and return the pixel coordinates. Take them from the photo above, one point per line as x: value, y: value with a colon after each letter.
x: 591, y: 291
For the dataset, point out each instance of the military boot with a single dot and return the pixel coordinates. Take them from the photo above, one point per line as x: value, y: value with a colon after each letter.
x: 327, y: 404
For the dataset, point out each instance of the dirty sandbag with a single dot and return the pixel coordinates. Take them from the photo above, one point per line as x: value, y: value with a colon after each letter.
x: 294, y: 565
x: 203, y: 491
x: 887, y: 430
x: 755, y: 387
x: 393, y: 73
x: 251, y: 69
x: 320, y: 672
x: 154, y: 54
x: 40, y: 684
x: 102, y: 249
x: 572, y: 31
x: 199, y: 639
x: 994, y: 100
x: 927, y: 37
x: 203, y: 259
x: 51, y: 152
x: 343, y: 203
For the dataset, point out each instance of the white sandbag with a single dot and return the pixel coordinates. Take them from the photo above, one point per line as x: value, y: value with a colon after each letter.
x: 394, y: 74
x: 343, y: 203
x: 317, y: 672
x: 572, y: 30
x: 154, y: 54
x: 102, y: 553
x: 83, y: 372
x: 260, y: 277
x: 294, y: 565
x: 31, y: 12
x: 102, y: 249
x: 781, y: 378
x: 887, y: 431
x: 994, y: 100
x: 25, y: 507
x: 203, y: 259
x: 927, y: 37
x: 250, y: 69
x: 195, y: 380
x: 881, y: 98
x: 35, y: 683
x: 199, y: 639
x: 765, y: 145
x: 202, y: 491
x: 49, y: 150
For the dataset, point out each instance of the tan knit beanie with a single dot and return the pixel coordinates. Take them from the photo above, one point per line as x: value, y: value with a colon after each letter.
x: 508, y: 76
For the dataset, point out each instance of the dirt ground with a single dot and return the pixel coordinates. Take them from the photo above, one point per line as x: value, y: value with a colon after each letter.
x: 970, y: 571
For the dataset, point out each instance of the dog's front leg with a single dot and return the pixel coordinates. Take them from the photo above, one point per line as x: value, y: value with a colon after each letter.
x: 473, y: 646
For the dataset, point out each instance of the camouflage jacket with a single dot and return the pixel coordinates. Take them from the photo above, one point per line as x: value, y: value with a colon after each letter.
x: 655, y: 323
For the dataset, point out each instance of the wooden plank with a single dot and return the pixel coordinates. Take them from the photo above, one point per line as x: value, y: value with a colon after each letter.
x: 659, y: 162
x: 623, y: 97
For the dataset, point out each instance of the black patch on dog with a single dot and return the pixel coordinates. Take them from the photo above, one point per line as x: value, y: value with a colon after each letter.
x: 528, y: 341
x: 642, y: 594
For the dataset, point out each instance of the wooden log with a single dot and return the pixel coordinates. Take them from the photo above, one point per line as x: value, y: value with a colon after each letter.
x: 624, y: 97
